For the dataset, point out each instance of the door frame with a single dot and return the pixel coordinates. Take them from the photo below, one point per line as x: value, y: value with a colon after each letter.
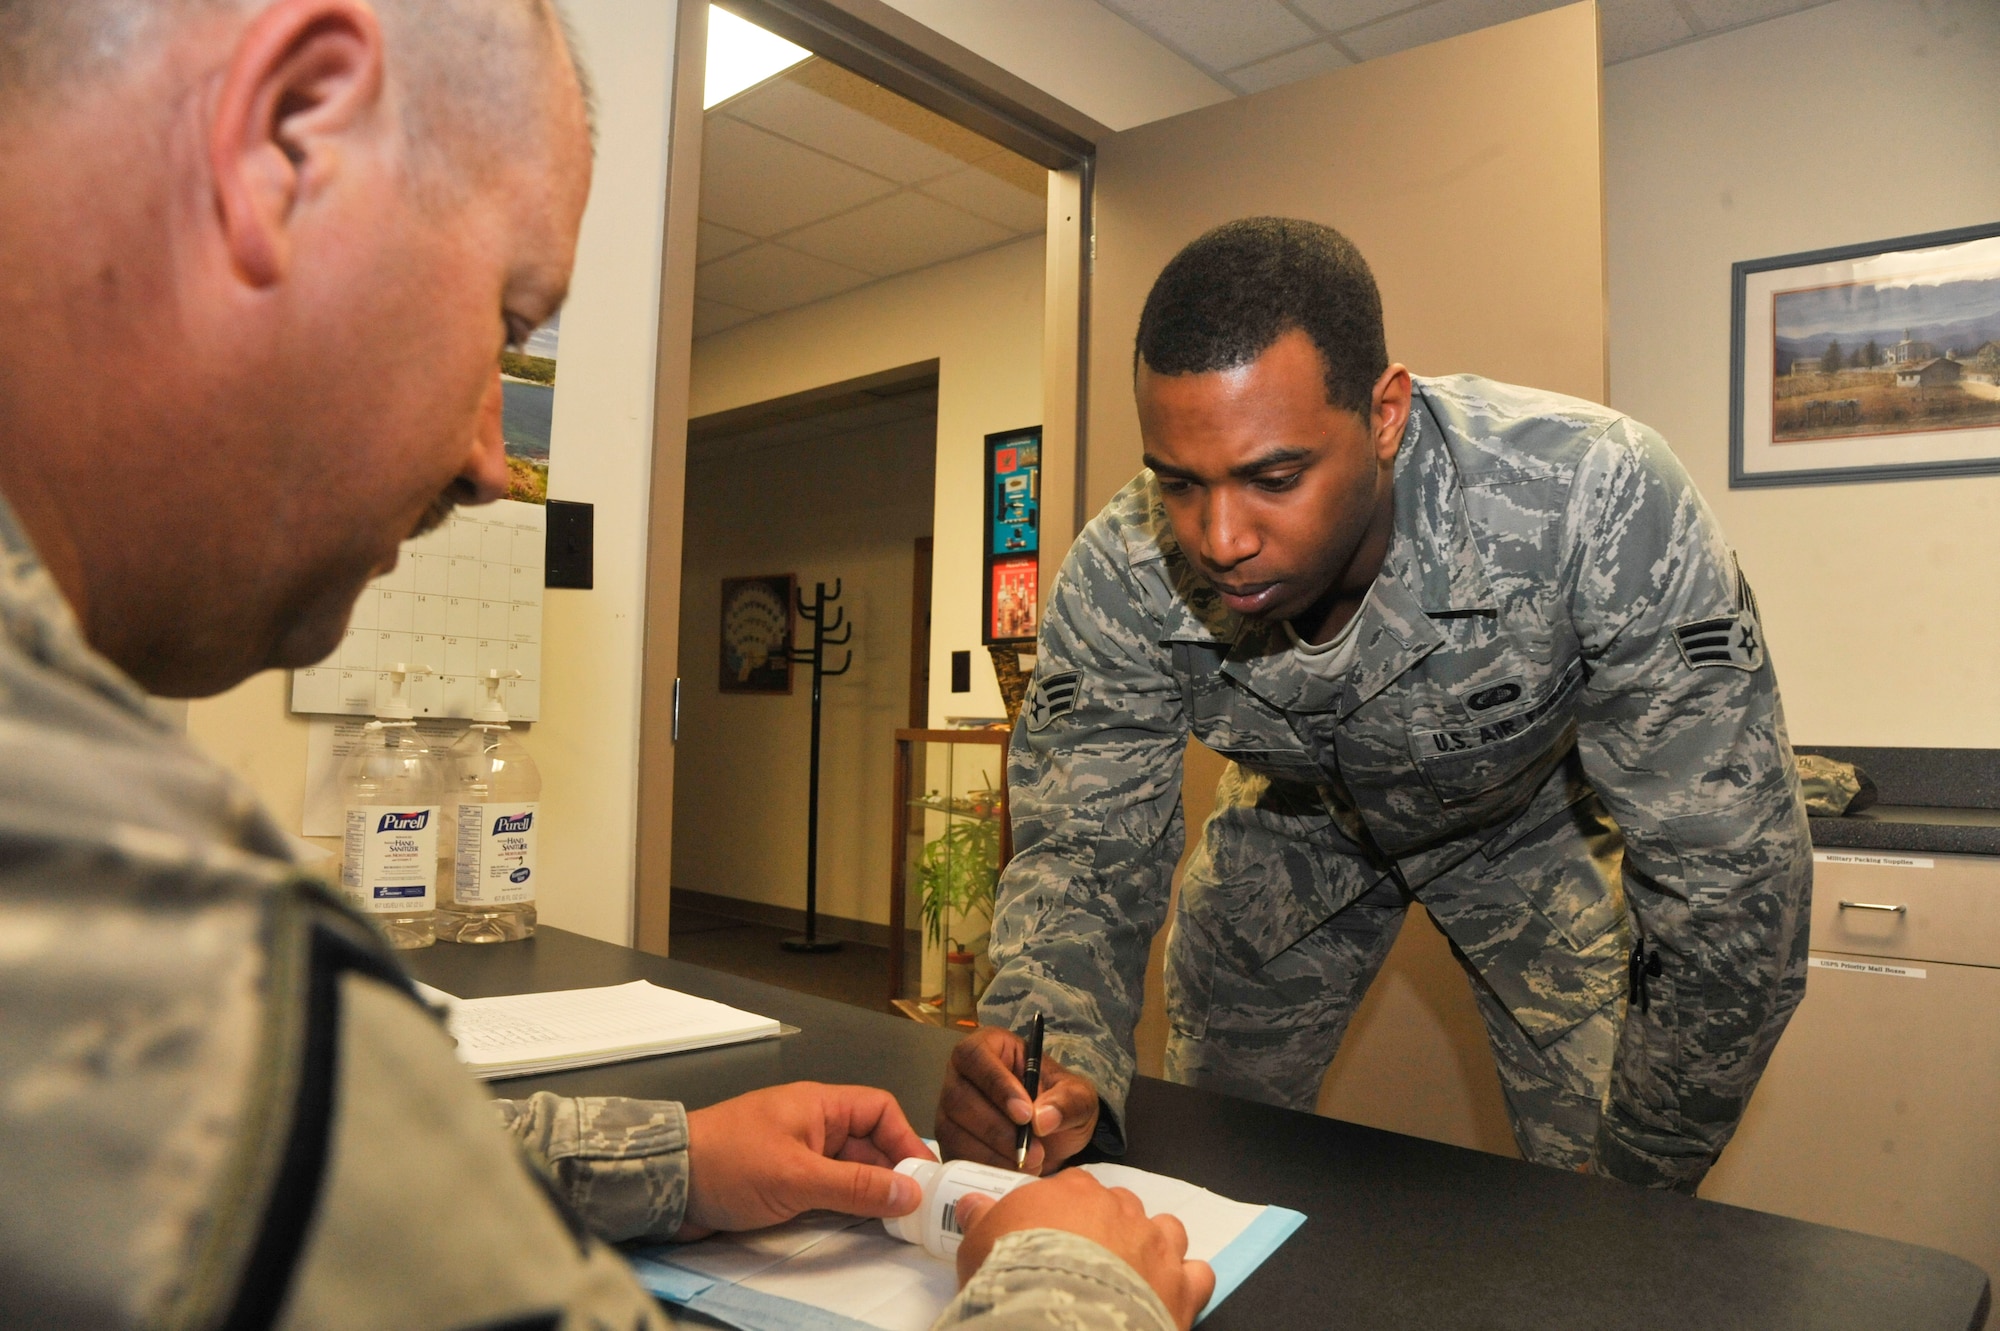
x: 894, y: 50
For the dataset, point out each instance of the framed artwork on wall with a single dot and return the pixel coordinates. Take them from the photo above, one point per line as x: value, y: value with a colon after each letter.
x: 1867, y: 362
x: 1012, y: 547
x: 757, y: 633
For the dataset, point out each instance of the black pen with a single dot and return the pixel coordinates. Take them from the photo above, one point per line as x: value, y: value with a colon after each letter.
x: 1031, y: 1082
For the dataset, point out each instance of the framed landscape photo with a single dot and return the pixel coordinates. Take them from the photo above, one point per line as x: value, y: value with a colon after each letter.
x: 1867, y: 363
x: 757, y: 634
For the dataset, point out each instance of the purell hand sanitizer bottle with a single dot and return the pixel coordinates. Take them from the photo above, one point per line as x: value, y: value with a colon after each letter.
x: 392, y: 786
x: 489, y: 897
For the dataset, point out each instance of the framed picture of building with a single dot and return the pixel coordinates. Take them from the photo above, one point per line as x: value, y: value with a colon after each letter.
x: 1011, y: 594
x: 1868, y: 362
x: 757, y: 634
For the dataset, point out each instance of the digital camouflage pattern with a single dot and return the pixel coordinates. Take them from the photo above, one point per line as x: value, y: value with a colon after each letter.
x: 622, y: 1162
x: 1561, y: 733
x: 1048, y: 1279
x: 220, y: 1100
x: 1832, y: 788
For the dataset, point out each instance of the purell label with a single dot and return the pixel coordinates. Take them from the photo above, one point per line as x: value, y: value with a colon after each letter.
x: 390, y: 867
x: 496, y: 855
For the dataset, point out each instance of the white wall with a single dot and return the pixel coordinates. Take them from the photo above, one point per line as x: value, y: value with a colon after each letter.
x: 1855, y: 121
x: 601, y: 449
x: 849, y: 504
x: 981, y: 319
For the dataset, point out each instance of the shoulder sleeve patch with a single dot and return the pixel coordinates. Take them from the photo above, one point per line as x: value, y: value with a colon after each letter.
x: 1054, y: 697
x: 1730, y: 641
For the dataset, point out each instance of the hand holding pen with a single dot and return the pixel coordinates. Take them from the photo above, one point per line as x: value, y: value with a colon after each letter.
x: 984, y: 1105
x: 1031, y: 1082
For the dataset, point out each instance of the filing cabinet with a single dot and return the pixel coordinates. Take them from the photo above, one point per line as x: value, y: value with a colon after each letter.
x: 1880, y: 1111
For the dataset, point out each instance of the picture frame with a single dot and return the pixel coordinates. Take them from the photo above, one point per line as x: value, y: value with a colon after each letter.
x: 1010, y: 598
x: 757, y: 620
x: 1912, y: 325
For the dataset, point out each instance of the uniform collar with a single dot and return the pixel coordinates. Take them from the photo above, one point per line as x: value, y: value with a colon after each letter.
x: 1434, y: 571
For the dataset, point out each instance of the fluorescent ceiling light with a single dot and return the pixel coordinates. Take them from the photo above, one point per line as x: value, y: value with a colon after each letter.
x: 742, y: 55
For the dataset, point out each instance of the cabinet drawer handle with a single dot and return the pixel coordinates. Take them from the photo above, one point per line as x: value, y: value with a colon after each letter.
x: 1870, y: 905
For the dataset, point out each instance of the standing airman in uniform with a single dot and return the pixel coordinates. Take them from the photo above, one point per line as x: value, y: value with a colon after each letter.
x: 1474, y: 645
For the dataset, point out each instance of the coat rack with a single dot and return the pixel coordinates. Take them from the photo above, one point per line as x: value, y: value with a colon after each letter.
x: 815, y: 656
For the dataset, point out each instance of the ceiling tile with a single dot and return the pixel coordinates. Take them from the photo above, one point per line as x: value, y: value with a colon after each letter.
x: 1339, y: 15
x: 1635, y: 27
x: 896, y: 234
x: 981, y: 193
x: 712, y: 242
x: 1712, y: 15
x: 1289, y: 67
x: 761, y: 184
x: 803, y: 115
x: 767, y: 278
x: 1435, y: 22
x: 713, y: 316
x: 1219, y: 34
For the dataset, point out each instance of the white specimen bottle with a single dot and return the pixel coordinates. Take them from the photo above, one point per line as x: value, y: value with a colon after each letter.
x: 493, y: 809
x: 934, y: 1226
x: 393, y: 787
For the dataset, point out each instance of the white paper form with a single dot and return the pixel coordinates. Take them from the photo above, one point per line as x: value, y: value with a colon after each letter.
x: 776, y: 1279
x: 518, y: 1034
x: 462, y: 600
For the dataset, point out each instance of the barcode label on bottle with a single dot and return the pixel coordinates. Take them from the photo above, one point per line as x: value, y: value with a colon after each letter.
x: 950, y: 1221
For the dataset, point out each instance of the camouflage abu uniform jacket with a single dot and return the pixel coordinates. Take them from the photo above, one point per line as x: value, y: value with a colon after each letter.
x: 1558, y: 629
x: 222, y: 1105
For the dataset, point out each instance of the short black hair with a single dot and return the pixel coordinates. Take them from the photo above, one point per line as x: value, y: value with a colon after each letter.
x: 1224, y: 299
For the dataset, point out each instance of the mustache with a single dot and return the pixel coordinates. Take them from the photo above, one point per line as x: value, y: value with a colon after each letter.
x: 459, y: 492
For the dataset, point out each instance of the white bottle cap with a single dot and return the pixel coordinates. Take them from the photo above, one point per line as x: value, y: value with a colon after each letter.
x: 490, y: 711
x: 396, y: 707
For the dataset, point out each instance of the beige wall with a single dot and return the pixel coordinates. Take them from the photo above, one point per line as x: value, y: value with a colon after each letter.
x: 1466, y: 171
x: 980, y: 318
x: 602, y: 448
x: 1806, y: 132
x: 846, y: 505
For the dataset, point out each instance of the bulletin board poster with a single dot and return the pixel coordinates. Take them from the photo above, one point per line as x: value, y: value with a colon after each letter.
x: 1013, y: 536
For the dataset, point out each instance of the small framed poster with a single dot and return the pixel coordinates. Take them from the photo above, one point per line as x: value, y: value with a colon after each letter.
x: 757, y: 634
x: 1870, y: 362
x: 1013, y: 536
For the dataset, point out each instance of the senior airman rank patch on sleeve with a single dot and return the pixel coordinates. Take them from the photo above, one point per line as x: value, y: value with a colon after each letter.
x: 1054, y: 697
x: 1730, y: 641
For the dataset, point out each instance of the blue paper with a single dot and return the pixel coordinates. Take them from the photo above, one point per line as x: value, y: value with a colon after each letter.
x: 1249, y: 1250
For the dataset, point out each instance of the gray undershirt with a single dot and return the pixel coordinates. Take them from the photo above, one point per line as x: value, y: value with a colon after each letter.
x: 1330, y: 659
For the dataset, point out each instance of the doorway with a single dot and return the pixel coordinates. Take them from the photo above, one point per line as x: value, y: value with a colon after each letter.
x: 833, y: 491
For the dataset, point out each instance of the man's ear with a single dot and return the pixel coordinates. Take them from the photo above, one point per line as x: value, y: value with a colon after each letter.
x: 300, y: 93
x: 1391, y: 411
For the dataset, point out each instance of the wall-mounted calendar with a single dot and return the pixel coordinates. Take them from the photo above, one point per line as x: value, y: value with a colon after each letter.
x: 462, y: 600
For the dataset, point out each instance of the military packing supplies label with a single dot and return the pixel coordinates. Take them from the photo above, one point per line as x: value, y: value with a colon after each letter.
x: 496, y: 854
x: 391, y: 863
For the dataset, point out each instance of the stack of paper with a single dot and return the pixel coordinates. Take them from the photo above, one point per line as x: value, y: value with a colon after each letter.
x: 837, y: 1273
x: 579, y: 1028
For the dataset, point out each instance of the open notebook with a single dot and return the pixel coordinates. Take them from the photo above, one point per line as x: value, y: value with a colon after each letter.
x: 834, y: 1271
x: 522, y: 1034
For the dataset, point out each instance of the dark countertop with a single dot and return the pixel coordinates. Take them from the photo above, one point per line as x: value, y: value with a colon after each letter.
x: 1908, y: 828
x: 1931, y: 801
x: 1401, y: 1232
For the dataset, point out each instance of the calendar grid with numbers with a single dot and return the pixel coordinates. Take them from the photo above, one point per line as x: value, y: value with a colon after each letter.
x: 462, y: 600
